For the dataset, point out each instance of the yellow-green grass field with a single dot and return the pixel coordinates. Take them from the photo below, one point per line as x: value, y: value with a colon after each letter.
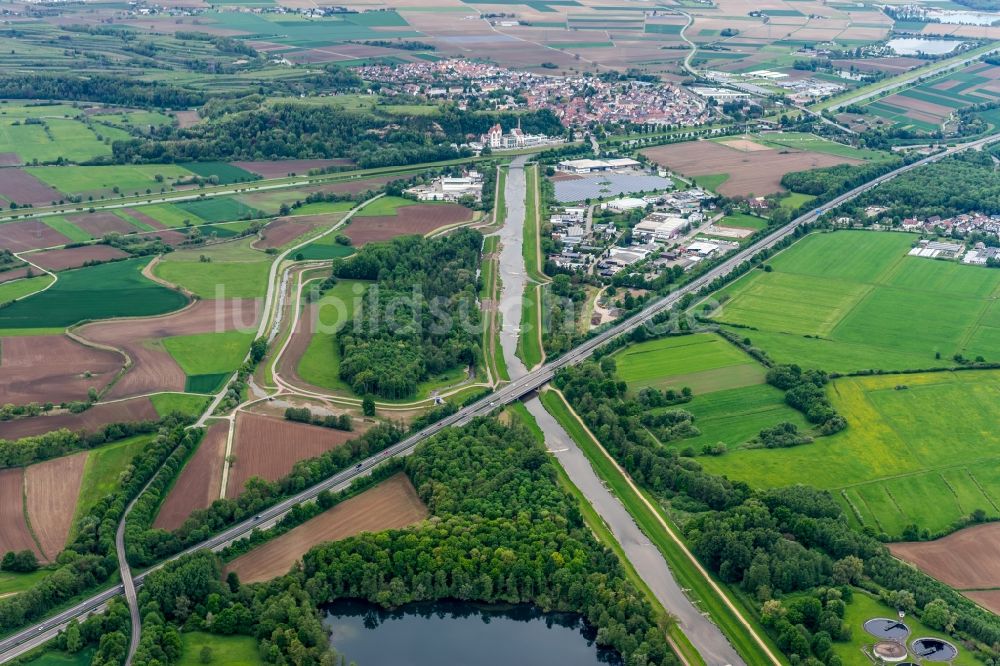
x: 129, y: 178
x: 226, y: 650
x: 21, y: 288
x: 170, y: 215
x: 235, y: 270
x: 102, y: 470
x: 320, y: 363
x: 66, y: 138
x: 852, y: 300
x: 919, y: 448
x: 182, y: 403
x: 209, y: 353
x: 702, y: 361
x: 384, y: 206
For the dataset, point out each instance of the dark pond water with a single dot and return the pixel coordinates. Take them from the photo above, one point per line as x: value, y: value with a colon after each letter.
x: 457, y: 634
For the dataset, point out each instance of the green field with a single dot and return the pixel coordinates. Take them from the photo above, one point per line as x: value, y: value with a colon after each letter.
x: 928, y: 453
x: 324, y: 207
x: 129, y: 179
x: 804, y: 141
x: 217, y: 209
x: 170, y: 215
x: 235, y: 271
x: 384, y: 206
x: 183, y: 403
x: 102, y: 470
x: 209, y: 353
x: 794, y: 200
x: 65, y: 138
x: 743, y: 221
x: 702, y: 361
x: 19, y: 582
x: 320, y: 364
x: 21, y: 288
x: 60, y: 658
x: 139, y: 119
x: 850, y: 300
x: 115, y: 289
x: 226, y: 650
x: 711, y: 181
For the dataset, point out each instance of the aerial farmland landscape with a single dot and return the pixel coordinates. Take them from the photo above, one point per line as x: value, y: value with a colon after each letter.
x: 555, y: 332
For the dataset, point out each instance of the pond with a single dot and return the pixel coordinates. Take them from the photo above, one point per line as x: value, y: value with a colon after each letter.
x: 915, y: 46
x: 964, y: 17
x: 452, y: 632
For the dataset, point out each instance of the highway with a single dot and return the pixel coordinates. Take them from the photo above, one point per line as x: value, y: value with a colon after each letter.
x: 36, y: 635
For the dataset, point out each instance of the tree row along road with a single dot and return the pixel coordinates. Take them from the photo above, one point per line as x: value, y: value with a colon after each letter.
x: 41, y: 632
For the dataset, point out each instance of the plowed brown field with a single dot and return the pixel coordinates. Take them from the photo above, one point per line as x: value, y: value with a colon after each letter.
x: 966, y: 559
x: 757, y: 172
x: 269, y: 447
x: 29, y: 235
x: 52, y: 488
x: 23, y: 188
x: 98, y: 224
x: 200, y: 481
x: 14, y: 534
x: 285, y: 229
x: 416, y: 219
x: 392, y: 504
x: 75, y: 257
x: 47, y: 368
x: 153, y: 368
x: 140, y: 409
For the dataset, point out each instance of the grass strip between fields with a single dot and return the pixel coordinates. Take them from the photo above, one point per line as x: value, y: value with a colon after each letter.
x: 678, y: 641
x: 754, y: 646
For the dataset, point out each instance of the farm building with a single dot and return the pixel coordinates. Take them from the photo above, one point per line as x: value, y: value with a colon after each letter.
x: 591, y: 166
x: 624, y: 204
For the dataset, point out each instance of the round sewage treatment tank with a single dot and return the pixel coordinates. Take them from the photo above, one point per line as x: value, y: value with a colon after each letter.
x: 886, y: 628
x: 934, y: 649
x: 890, y: 651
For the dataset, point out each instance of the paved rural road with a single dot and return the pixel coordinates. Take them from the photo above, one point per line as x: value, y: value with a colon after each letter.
x: 15, y: 644
x: 648, y: 561
x: 512, y: 271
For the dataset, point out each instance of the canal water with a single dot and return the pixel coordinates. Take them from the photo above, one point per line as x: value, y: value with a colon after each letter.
x: 459, y: 634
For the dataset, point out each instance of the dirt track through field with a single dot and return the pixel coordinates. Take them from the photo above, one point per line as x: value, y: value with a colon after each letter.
x: 140, y: 409
x: 200, y: 481
x: 966, y: 559
x: 392, y: 504
x: 415, y: 219
x: 46, y: 368
x: 755, y: 172
x: 52, y: 489
x: 153, y: 368
x: 14, y: 534
x: 269, y: 447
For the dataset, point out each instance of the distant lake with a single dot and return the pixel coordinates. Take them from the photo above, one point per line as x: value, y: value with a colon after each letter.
x: 460, y: 634
x: 964, y: 17
x: 915, y: 46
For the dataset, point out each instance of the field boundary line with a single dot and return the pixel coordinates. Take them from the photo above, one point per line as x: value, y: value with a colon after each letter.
x: 27, y: 517
x: 230, y: 436
x: 670, y: 532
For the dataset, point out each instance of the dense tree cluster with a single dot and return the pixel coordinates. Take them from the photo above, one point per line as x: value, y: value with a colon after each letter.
x: 420, y: 318
x: 493, y: 492
x: 115, y: 90
x: 805, y: 391
x: 305, y: 415
x: 930, y: 190
x: 28, y: 450
x: 827, y: 182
